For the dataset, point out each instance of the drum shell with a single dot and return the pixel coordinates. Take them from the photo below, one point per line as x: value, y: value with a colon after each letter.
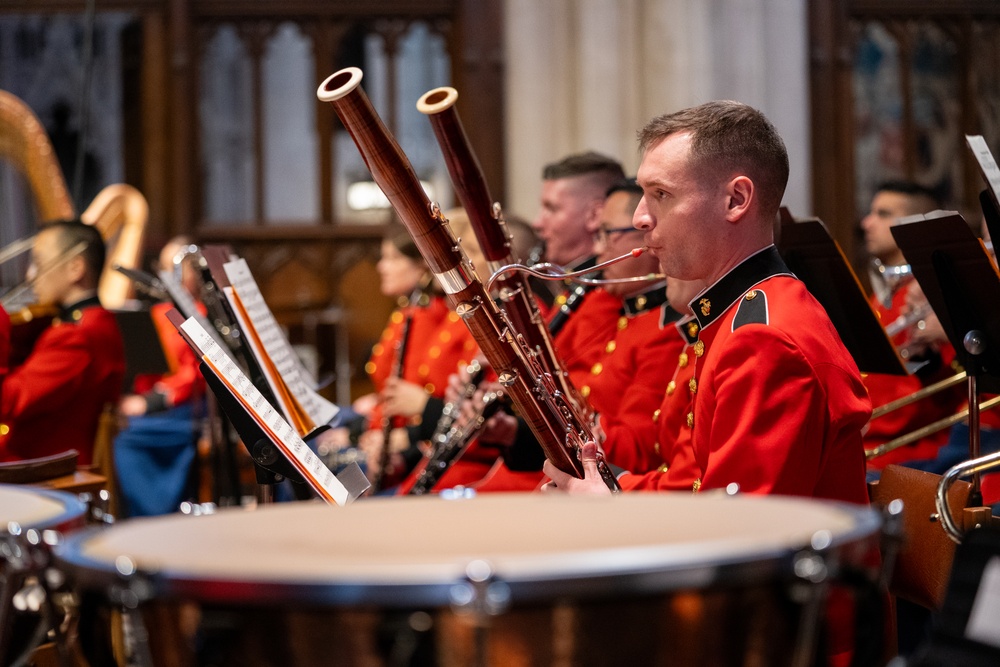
x: 652, y: 609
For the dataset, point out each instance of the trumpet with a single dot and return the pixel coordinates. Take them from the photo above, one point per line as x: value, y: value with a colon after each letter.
x: 553, y: 418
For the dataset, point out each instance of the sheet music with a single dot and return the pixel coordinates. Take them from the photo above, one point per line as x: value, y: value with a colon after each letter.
x: 186, y: 305
x: 320, y: 410
x: 282, y: 434
x: 987, y: 165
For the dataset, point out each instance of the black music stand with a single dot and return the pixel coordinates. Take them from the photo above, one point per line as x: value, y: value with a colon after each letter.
x: 817, y: 260
x: 143, y: 349
x: 963, y: 287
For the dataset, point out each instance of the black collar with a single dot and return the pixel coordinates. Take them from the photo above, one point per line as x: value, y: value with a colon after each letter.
x: 74, y: 311
x: 711, y: 304
x: 652, y: 298
x: 687, y: 327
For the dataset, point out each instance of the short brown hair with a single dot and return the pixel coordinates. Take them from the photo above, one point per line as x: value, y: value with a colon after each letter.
x: 729, y: 136
x: 599, y: 169
x: 74, y: 232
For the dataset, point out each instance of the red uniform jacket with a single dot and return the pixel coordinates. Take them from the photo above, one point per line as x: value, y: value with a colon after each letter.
x: 625, y: 385
x: 580, y: 343
x: 184, y: 381
x: 4, y: 342
x: 886, y: 388
x: 53, y: 401
x: 777, y: 403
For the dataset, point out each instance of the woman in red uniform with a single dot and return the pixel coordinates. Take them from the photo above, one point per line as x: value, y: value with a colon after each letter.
x: 410, y: 388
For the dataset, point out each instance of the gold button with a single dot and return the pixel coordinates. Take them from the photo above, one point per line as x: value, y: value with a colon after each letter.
x: 446, y: 335
x: 696, y: 486
x: 4, y: 429
x: 561, y: 299
x: 682, y: 360
x: 370, y: 368
x: 452, y: 317
x: 377, y: 349
x: 656, y: 417
x: 640, y: 302
x: 692, y: 329
x: 397, y: 317
x: 77, y: 314
x: 610, y: 347
x: 670, y: 387
x: 429, y: 387
x: 656, y: 448
x: 693, y: 385
x: 424, y: 370
x: 690, y: 420
x: 597, y: 368
x: 663, y: 468
x: 434, y: 352
x: 699, y: 348
x: 751, y: 295
x: 585, y: 390
x: 622, y: 322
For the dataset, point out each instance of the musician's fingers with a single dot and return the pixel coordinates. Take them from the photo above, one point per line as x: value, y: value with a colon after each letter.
x: 558, y: 477
x: 588, y: 457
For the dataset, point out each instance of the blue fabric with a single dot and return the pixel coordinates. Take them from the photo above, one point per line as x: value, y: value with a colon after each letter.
x: 153, y: 459
x: 957, y: 449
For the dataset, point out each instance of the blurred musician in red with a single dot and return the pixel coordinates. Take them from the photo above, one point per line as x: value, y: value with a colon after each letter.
x: 437, y: 341
x: 53, y: 401
x: 573, y: 190
x: 157, y: 446
x: 891, y: 283
x: 4, y: 343
x: 775, y: 403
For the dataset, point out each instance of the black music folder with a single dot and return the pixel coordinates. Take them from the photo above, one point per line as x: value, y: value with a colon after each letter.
x: 961, y: 284
x: 143, y: 349
x: 817, y: 260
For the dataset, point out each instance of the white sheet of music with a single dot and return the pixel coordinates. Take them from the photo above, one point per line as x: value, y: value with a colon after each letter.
x: 991, y: 172
x: 271, y: 422
x: 186, y: 305
x: 275, y: 344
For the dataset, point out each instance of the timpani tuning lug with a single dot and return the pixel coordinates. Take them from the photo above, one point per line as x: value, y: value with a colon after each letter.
x: 481, y: 595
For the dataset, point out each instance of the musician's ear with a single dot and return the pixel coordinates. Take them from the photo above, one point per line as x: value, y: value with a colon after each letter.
x: 593, y: 215
x: 740, y: 193
x: 76, y: 270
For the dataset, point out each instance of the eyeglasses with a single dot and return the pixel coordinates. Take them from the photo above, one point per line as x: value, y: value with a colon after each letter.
x: 602, y: 235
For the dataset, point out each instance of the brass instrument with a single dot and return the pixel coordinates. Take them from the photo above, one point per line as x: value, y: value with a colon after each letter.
x: 552, y: 417
x: 24, y: 143
x: 119, y: 212
x: 975, y: 466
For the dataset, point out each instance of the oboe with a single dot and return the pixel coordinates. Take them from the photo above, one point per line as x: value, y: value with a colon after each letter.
x: 552, y: 417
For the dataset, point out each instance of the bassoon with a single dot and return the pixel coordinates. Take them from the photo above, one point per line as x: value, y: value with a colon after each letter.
x: 552, y: 417
x: 487, y: 220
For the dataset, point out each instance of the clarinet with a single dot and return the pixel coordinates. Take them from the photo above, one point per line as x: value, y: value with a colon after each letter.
x: 397, y: 372
x: 453, y: 444
x: 487, y: 221
x: 451, y: 409
x: 552, y: 417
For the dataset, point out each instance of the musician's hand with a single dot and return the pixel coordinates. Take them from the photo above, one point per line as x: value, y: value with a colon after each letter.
x: 499, y: 430
x: 365, y: 404
x: 332, y: 440
x: 456, y: 385
x: 370, y: 443
x: 400, y: 397
x: 132, y: 405
x: 591, y: 484
x: 399, y: 440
